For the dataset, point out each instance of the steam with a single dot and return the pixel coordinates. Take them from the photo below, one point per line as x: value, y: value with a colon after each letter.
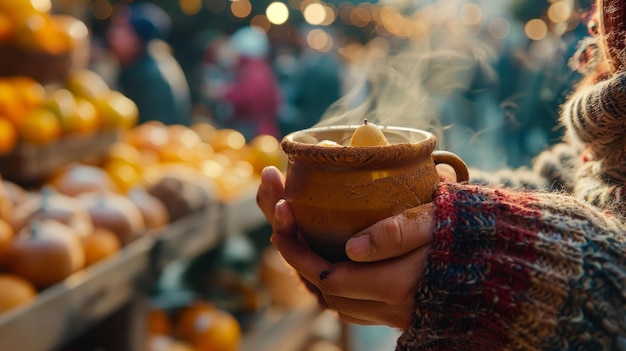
x: 405, y: 83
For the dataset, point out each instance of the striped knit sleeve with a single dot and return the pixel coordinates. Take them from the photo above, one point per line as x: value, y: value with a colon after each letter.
x: 520, y: 271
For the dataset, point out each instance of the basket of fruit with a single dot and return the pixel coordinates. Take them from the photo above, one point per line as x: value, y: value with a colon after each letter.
x: 36, y: 43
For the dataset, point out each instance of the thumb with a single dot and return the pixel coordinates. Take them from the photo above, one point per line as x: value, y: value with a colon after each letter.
x: 394, y: 236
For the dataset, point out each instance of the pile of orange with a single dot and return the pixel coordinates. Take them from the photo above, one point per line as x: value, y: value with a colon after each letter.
x: 199, y: 326
x: 29, y: 24
x: 222, y: 156
x: 34, y: 114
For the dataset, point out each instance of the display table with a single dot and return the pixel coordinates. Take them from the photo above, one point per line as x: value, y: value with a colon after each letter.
x: 117, y: 288
x: 65, y: 311
x: 29, y: 164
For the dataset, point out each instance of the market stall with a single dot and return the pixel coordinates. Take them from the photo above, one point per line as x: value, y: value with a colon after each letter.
x: 94, y: 207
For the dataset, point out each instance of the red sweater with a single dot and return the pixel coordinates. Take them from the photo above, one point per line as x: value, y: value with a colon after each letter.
x: 514, y: 270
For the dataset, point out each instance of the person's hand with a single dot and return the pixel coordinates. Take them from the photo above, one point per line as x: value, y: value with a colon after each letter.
x: 388, y: 259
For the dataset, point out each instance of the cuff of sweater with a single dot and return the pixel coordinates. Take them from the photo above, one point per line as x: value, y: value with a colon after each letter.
x: 498, y: 275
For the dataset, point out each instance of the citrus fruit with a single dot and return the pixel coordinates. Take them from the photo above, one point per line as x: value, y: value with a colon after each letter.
x: 8, y: 136
x: 39, y: 126
x: 15, y: 291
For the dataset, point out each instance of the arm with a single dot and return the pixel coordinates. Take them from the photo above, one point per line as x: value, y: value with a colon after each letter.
x: 479, y: 268
x: 520, y: 270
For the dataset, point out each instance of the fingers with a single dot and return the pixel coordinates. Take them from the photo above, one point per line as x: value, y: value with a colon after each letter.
x: 393, y: 281
x: 446, y: 172
x: 394, y: 236
x: 373, y: 312
x: 271, y: 189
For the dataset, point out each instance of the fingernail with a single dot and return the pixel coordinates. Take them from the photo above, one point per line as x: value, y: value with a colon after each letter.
x: 360, y: 246
x: 278, y: 211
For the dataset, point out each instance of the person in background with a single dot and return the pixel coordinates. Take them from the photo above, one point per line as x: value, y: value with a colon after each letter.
x: 525, y: 259
x: 319, y: 82
x: 148, y: 72
x: 253, y: 94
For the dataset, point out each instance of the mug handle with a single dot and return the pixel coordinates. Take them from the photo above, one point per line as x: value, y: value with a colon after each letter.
x: 451, y: 159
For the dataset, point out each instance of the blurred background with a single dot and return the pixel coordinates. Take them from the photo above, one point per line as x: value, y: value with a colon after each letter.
x: 493, y: 98
x: 163, y: 113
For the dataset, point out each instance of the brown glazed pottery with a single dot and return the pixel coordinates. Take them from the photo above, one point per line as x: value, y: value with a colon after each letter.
x: 337, y: 191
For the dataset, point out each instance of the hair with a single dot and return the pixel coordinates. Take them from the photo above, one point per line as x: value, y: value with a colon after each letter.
x: 594, y: 115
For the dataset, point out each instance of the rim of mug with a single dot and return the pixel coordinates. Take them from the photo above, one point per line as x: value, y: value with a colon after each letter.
x: 351, y: 127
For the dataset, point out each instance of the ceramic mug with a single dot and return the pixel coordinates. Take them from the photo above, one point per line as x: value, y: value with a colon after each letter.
x: 337, y: 191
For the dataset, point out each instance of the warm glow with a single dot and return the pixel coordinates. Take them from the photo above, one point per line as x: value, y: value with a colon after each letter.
x: 559, y: 12
x: 471, y: 14
x: 391, y: 20
x: 190, y: 7
x: 331, y: 15
x: 262, y: 22
x: 78, y: 30
x: 314, y: 13
x: 536, y: 29
x: 277, y: 13
x: 241, y: 8
x: 319, y: 40
x: 101, y: 9
x: 499, y: 28
x: 40, y: 5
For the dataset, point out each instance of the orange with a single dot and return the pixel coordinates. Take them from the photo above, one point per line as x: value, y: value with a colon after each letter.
x: 187, y: 316
x: 117, y: 111
x: 87, y: 118
x: 30, y: 92
x: 265, y: 151
x: 38, y: 33
x: 204, y: 130
x: 8, y: 136
x: 19, y: 10
x: 125, y: 152
x: 123, y: 174
x: 216, y: 330
x: 100, y: 244
x: 227, y: 138
x: 6, y: 27
x: 87, y: 84
x: 63, y: 104
x: 15, y: 291
x: 10, y: 105
x: 150, y: 135
x: 40, y: 126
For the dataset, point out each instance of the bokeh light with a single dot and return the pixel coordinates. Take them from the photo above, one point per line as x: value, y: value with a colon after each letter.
x: 314, y: 13
x: 536, y: 29
x: 101, y: 9
x: 190, y: 7
x: 261, y: 21
x: 241, y: 8
x: 559, y: 12
x: 319, y: 40
x: 471, y: 14
x: 277, y: 13
x: 499, y: 28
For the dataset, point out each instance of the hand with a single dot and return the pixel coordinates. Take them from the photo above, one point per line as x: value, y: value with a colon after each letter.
x: 378, y: 286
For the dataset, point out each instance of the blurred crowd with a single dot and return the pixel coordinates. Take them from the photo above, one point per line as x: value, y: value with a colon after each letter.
x: 494, y: 97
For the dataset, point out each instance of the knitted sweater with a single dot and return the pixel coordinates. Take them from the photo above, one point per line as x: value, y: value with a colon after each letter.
x: 538, y: 263
x: 512, y: 270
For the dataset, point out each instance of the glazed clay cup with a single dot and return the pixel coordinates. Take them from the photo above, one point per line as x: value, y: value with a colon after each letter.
x: 337, y: 191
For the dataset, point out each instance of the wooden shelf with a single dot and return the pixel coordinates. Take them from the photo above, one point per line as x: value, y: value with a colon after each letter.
x: 29, y: 164
x: 66, y: 310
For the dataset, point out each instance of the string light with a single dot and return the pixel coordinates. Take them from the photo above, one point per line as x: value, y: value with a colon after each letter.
x: 277, y: 13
